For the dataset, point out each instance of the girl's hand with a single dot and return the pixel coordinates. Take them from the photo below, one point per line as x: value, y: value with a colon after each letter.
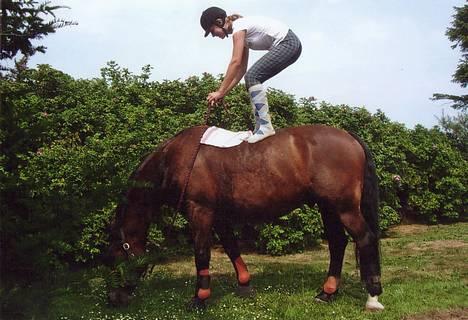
x: 214, y: 97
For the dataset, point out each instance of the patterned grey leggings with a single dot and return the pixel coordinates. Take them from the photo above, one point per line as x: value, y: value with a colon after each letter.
x: 274, y: 61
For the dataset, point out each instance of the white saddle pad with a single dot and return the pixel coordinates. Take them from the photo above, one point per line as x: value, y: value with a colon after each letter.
x: 223, y: 138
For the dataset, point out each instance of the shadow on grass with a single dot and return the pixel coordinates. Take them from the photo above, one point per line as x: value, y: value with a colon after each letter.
x: 276, y: 279
x: 84, y: 291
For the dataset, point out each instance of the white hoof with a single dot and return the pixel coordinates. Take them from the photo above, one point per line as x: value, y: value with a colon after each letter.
x: 373, y: 304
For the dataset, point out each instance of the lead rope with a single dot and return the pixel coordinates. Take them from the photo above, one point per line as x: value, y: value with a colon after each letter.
x: 126, y: 245
x: 194, y: 158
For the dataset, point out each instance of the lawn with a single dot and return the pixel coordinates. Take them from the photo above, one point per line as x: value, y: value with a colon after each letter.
x: 424, y: 275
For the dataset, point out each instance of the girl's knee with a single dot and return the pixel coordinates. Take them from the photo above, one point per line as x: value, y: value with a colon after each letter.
x: 250, y: 80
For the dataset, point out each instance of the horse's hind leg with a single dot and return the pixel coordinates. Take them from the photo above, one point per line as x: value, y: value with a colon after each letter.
x: 231, y: 247
x: 337, y: 241
x: 369, y: 255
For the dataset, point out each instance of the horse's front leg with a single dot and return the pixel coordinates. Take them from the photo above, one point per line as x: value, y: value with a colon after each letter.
x: 231, y: 247
x: 201, y: 221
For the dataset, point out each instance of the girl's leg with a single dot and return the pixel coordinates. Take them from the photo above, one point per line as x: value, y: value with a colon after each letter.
x: 260, y: 108
x: 276, y: 60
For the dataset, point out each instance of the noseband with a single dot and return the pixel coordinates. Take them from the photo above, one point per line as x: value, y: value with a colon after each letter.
x: 125, y: 245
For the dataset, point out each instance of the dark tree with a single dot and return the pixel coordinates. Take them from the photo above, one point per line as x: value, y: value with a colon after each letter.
x: 22, y: 22
x: 456, y: 127
x: 458, y: 34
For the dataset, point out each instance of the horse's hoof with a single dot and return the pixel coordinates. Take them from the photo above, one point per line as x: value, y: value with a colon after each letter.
x: 196, y: 304
x: 373, y: 304
x: 119, y: 297
x: 246, y: 291
x: 324, y: 297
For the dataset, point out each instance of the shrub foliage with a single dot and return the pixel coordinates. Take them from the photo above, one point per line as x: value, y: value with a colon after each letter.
x: 69, y: 146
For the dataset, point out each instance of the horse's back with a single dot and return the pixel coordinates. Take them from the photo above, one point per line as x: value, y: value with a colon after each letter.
x: 282, y: 171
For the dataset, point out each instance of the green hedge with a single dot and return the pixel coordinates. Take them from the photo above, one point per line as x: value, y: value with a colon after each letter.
x: 69, y: 146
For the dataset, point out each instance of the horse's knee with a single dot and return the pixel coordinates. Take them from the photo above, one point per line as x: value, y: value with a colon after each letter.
x: 202, y: 259
x: 366, y: 240
x: 338, y: 242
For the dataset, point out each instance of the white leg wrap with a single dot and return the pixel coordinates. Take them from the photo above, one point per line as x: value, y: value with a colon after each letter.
x: 260, y: 104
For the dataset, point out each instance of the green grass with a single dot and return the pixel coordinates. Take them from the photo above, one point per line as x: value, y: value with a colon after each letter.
x: 425, y: 269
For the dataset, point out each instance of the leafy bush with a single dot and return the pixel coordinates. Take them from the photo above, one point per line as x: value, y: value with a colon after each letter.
x: 439, y: 184
x: 69, y: 146
x: 294, y: 232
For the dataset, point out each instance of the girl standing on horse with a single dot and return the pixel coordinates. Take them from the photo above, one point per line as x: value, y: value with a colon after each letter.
x: 256, y: 33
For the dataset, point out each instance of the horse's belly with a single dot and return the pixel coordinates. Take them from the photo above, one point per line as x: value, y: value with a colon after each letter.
x: 267, y: 197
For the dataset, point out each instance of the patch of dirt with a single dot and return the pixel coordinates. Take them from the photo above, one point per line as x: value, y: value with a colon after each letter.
x: 458, y: 314
x: 437, y: 245
x: 406, y: 229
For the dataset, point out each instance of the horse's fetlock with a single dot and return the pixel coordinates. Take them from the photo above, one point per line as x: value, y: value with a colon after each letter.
x: 203, y: 281
x: 331, y: 284
x: 373, y: 285
x: 243, y: 275
x: 203, y: 290
x: 204, y: 294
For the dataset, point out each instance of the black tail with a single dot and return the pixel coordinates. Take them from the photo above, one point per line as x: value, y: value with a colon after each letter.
x: 370, y: 192
x: 369, y: 258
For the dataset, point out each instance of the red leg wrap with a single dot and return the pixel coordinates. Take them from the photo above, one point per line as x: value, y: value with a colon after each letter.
x: 204, y: 294
x: 204, y: 272
x: 331, y: 285
x: 243, y: 275
x: 203, y: 286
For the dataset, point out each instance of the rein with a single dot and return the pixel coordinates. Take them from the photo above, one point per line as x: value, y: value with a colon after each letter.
x: 125, y: 245
x: 194, y: 158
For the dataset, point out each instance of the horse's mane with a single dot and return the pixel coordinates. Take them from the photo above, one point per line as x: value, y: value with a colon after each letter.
x: 121, y: 207
x: 148, y: 156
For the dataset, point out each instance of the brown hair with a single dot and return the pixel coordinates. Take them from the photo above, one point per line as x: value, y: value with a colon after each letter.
x: 233, y: 17
x: 230, y: 19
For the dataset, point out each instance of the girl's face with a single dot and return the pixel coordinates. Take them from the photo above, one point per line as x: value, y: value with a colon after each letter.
x: 217, y: 32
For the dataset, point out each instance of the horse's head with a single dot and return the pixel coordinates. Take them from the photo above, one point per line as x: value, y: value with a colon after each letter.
x: 128, y: 230
x: 116, y: 249
x: 127, y: 239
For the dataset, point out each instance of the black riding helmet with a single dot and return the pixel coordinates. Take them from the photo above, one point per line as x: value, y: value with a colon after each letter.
x: 209, y: 16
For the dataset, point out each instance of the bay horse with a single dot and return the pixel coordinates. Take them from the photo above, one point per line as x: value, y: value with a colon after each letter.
x: 312, y: 164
